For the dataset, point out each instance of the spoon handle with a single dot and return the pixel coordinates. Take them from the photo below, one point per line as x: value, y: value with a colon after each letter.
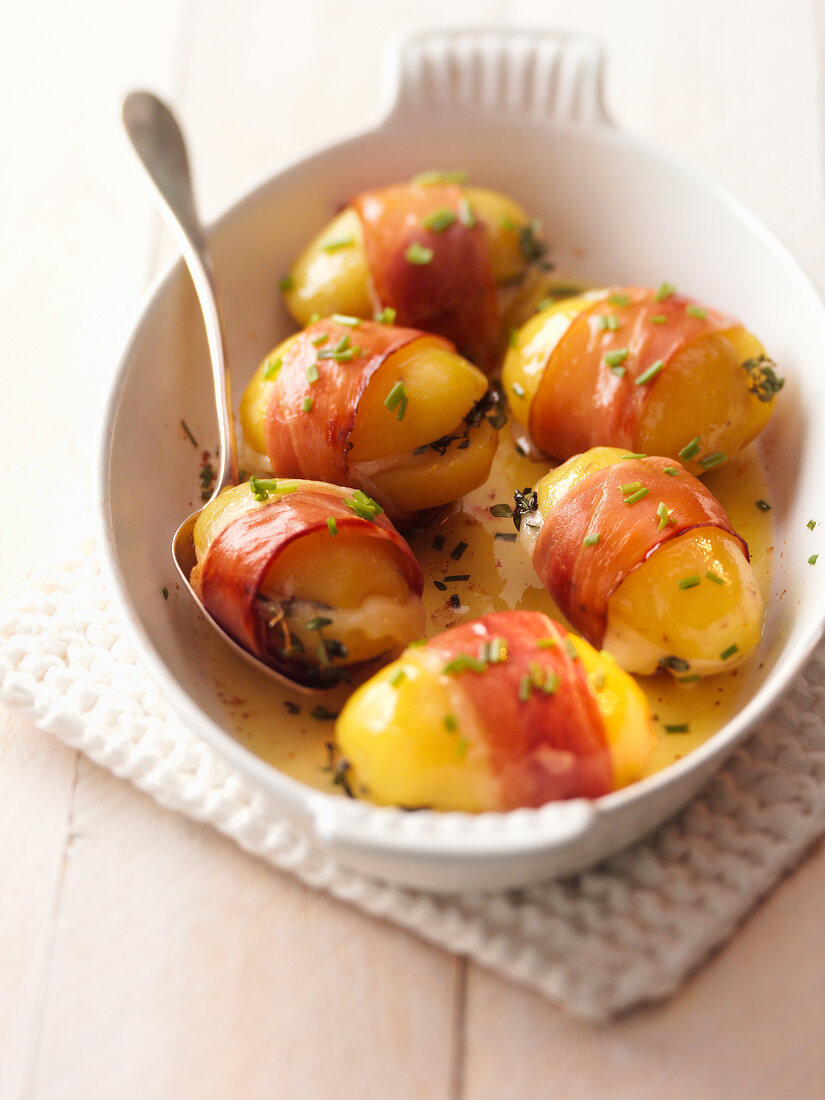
x: 157, y: 139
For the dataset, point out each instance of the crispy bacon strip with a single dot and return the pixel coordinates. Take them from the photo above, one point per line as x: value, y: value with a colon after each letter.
x: 453, y: 293
x: 315, y: 444
x: 581, y: 402
x: 543, y: 745
x: 237, y: 562
x: 581, y: 579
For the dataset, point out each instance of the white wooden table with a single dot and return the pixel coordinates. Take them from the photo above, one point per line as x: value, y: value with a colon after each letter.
x: 142, y: 955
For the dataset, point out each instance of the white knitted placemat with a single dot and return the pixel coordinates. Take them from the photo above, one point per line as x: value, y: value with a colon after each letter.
x: 626, y: 932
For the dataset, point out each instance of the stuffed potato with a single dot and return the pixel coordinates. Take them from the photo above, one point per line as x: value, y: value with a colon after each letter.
x: 446, y: 258
x: 504, y: 711
x: 308, y: 577
x: 392, y: 411
x: 643, y: 560
x: 648, y: 370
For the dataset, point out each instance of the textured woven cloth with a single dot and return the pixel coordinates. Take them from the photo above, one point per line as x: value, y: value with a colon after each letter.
x: 624, y: 933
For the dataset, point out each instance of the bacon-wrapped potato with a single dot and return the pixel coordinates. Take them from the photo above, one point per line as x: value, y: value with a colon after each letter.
x: 648, y: 370
x: 307, y: 577
x: 643, y: 560
x: 392, y: 411
x: 505, y: 711
x: 446, y: 258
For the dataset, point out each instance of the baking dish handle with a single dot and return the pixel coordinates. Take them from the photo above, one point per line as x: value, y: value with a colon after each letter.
x: 542, y: 74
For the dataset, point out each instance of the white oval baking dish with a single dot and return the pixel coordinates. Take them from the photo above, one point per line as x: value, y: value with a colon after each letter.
x: 521, y: 112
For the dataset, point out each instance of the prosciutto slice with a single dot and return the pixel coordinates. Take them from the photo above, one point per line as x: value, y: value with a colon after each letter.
x: 236, y: 564
x: 581, y: 578
x: 543, y: 745
x: 450, y: 289
x: 315, y: 443
x: 588, y: 394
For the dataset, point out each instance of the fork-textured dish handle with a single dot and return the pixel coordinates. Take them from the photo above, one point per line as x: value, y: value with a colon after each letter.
x: 536, y: 73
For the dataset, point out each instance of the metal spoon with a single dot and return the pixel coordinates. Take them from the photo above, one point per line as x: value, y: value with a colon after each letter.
x: 157, y: 139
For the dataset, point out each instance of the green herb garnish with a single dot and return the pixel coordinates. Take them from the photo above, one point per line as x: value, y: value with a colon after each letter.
x: 439, y: 219
x: 651, y: 372
x: 418, y: 254
x: 729, y: 652
x: 332, y: 525
x: 337, y: 245
x: 591, y: 540
x: 690, y: 449
x: 664, y: 291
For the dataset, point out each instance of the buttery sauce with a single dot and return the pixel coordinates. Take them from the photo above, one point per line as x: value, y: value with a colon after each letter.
x: 469, y: 571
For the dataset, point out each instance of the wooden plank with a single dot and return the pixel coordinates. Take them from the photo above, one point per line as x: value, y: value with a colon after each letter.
x: 208, y: 974
x: 748, y: 1025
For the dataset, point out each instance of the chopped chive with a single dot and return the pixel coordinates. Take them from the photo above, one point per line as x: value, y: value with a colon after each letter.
x: 650, y: 373
x: 332, y: 525
x: 714, y: 577
x: 506, y: 222
x: 658, y: 319
x: 457, y: 577
x: 664, y: 291
x: 306, y: 405
x: 762, y: 505
x: 451, y: 722
x: 314, y: 318
x: 465, y: 213
x: 312, y: 373
x: 427, y: 179
x: 614, y: 358
x: 619, y: 299
x: 363, y: 506
x: 513, y: 342
x: 525, y: 688
x: 345, y: 319
x: 690, y: 581
x: 335, y: 246
x: 551, y: 682
x: 463, y: 746
x: 500, y: 511
x: 418, y: 254
x: 498, y: 651
x: 570, y: 646
x: 811, y: 524
x: 506, y: 536
x: 455, y: 601
x: 624, y: 458
x: 690, y: 449
x: 518, y: 389
x: 286, y: 284
x: 665, y: 518
x: 165, y: 592
x: 630, y: 487
x: 537, y: 674
x: 440, y: 585
x: 192, y: 439
x: 813, y: 559
x: 317, y: 623
x: 439, y: 219
x: 323, y: 714
x: 689, y: 679
x: 715, y: 459
x: 273, y: 365
x: 464, y: 662
x: 386, y: 316
x: 546, y: 643
x: 599, y: 680
x: 696, y: 311
x: 398, y: 677
x: 395, y: 396
x: 458, y: 550
x: 680, y: 727
x: 640, y: 494
x: 322, y: 339
x: 402, y: 408
x: 609, y: 322
x: 438, y: 542
x: 671, y: 471
x: 620, y: 372
x: 729, y: 652
x: 591, y: 540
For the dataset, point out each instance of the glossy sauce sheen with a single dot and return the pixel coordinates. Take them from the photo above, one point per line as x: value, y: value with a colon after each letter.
x: 279, y: 726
